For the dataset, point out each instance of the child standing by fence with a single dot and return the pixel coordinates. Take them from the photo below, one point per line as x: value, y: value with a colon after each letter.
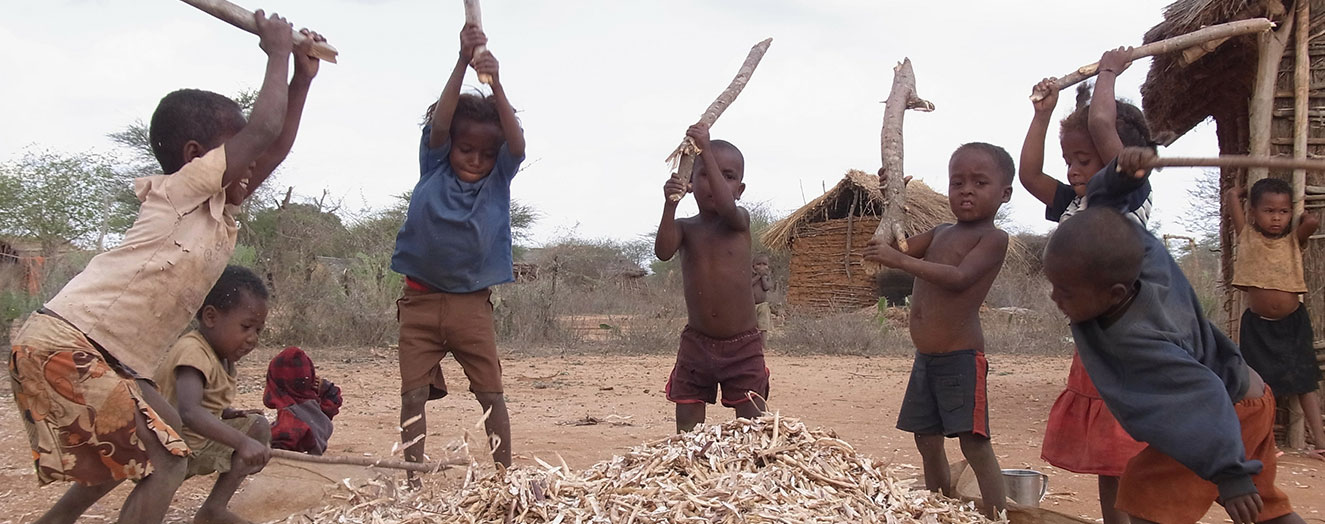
x: 1277, y: 340
x: 1081, y: 435
x: 114, y: 320
x: 454, y: 246
x: 954, y: 266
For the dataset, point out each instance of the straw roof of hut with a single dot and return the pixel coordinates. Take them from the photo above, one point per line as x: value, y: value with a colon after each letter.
x: 858, y: 194
x: 1178, y: 94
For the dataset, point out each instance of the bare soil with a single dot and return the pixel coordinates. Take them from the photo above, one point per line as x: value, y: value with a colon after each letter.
x: 550, y: 395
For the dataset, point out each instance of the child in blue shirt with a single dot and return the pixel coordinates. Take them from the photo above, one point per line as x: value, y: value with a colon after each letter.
x: 454, y: 245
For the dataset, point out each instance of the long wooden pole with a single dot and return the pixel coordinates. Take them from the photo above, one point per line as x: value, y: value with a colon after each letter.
x: 1169, y: 45
x: 1260, y: 109
x: 243, y: 18
x: 901, y: 96
x: 1301, y: 95
x: 474, y: 17
x: 687, y: 150
x: 421, y: 467
x: 1241, y: 161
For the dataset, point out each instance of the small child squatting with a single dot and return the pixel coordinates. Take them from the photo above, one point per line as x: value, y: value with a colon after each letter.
x: 954, y: 266
x: 1081, y: 435
x: 198, y: 377
x: 454, y: 246
x: 1172, y: 380
x: 722, y: 344
x: 761, y: 282
x: 117, y: 317
x: 1276, y: 337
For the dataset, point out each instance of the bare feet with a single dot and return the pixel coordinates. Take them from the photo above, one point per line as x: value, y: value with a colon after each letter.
x: 221, y: 516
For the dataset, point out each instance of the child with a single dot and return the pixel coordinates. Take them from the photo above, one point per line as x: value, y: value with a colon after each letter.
x: 1171, y: 379
x: 761, y: 283
x: 454, y: 246
x: 721, y: 344
x: 120, y: 314
x: 954, y: 266
x: 1081, y: 436
x: 1276, y: 331
x: 304, y: 404
x: 198, y: 378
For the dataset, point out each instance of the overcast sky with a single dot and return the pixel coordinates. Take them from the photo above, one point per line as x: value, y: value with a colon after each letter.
x: 605, y: 89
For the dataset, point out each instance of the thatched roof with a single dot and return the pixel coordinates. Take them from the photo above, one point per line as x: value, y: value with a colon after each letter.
x: 858, y: 193
x: 1176, y: 95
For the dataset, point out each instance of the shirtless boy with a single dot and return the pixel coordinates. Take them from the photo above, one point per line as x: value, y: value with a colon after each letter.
x: 954, y: 266
x: 721, y: 345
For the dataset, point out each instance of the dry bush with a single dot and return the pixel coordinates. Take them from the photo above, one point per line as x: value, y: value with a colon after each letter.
x: 863, y: 332
x: 320, y: 307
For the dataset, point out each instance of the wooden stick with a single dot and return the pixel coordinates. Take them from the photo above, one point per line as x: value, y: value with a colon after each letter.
x: 687, y: 150
x: 1241, y: 161
x: 243, y: 19
x: 420, y: 467
x: 1301, y: 94
x: 901, y: 97
x: 1169, y: 45
x: 474, y: 17
x: 1260, y: 109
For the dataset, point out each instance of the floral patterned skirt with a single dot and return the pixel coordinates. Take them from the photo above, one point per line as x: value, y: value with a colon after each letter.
x: 78, y: 410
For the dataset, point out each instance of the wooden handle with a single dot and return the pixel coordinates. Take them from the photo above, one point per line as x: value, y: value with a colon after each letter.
x: 1241, y: 161
x: 686, y: 165
x: 1178, y: 43
x: 243, y: 19
x: 724, y: 100
x: 420, y: 467
x: 474, y: 17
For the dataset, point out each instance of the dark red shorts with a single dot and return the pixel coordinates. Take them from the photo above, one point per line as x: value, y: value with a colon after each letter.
x: 703, y: 363
x: 946, y: 395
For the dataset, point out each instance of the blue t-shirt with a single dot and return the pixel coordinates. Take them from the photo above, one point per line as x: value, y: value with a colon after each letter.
x: 457, y: 235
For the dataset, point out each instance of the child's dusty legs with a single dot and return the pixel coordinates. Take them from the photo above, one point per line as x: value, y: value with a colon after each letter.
x: 1310, y: 402
x: 980, y: 455
x: 412, y: 405
x: 497, y: 425
x: 935, y: 461
x: 75, y: 502
x: 216, y: 509
x: 753, y: 409
x: 1109, y: 500
x: 688, y: 415
x: 150, y: 499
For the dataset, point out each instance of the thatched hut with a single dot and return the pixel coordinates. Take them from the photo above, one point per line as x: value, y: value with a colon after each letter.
x: 825, y: 237
x: 1261, y: 105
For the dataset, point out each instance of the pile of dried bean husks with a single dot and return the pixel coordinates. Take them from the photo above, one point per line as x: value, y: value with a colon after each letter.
x: 771, y: 469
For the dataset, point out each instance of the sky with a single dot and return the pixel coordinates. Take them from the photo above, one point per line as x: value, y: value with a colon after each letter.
x: 605, y: 90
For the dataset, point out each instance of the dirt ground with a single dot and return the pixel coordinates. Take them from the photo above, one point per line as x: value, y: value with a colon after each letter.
x: 856, y: 396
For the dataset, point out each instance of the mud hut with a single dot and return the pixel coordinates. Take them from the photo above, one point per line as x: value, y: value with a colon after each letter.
x: 1266, y: 94
x: 825, y: 237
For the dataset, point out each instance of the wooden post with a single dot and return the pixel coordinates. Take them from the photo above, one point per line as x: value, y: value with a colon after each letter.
x: 684, y: 155
x: 1214, y: 33
x: 474, y: 17
x: 1261, y: 107
x: 1301, y: 96
x: 901, y: 97
x: 243, y: 19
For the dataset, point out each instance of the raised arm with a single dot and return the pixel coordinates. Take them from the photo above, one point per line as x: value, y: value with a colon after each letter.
x: 1233, y: 199
x: 510, y: 127
x: 724, y: 201
x: 266, y: 121
x: 1113, y: 186
x: 1307, y: 226
x: 444, y: 109
x: 670, y: 234
x: 986, y: 256
x: 1104, y: 107
x: 189, y: 383
x: 1031, y: 172
x: 305, y: 68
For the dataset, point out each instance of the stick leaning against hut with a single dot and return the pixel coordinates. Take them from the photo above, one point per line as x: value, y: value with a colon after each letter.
x: 901, y: 97
x: 684, y: 156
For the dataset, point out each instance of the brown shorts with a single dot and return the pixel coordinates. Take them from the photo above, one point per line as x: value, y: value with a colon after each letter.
x: 213, y: 456
x: 434, y: 323
x: 703, y: 363
x: 79, y: 412
x: 1159, y: 489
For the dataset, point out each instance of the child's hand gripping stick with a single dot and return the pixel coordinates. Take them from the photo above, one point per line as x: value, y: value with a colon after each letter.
x: 474, y: 17
x: 243, y: 19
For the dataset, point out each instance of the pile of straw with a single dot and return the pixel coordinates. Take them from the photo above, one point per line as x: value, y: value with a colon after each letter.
x: 771, y: 469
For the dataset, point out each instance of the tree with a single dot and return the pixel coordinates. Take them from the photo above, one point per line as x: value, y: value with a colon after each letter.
x: 61, y: 200
x: 1203, y: 211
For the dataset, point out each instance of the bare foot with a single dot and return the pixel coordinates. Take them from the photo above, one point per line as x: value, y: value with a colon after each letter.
x: 1318, y: 454
x: 221, y: 516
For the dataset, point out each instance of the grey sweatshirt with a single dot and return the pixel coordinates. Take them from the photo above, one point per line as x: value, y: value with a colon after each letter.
x: 1166, y: 374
